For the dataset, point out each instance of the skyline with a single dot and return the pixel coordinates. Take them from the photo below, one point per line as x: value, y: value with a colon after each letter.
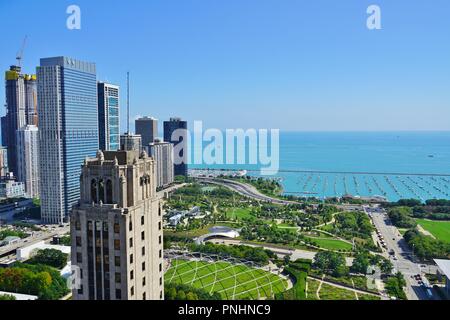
x: 244, y: 65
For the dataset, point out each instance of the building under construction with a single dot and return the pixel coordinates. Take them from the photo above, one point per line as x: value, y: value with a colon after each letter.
x: 21, y: 109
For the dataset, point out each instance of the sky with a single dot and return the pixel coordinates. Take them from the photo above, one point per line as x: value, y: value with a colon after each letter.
x: 292, y: 64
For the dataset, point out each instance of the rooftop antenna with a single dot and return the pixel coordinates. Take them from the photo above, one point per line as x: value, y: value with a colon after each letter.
x: 19, y: 55
x: 128, y: 103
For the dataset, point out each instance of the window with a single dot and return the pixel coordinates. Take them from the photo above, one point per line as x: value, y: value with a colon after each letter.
x: 130, y: 226
x: 142, y: 220
x: 116, y: 228
x: 159, y: 211
x: 131, y: 258
x: 160, y: 267
x: 143, y: 281
x: 94, y: 191
x: 80, y: 291
x: 160, y: 281
x: 117, y: 261
x: 118, y: 294
x: 131, y: 242
x: 160, y: 253
x: 109, y: 192
x: 159, y: 225
x: 79, y: 257
x: 117, y: 277
x: 160, y: 240
x: 116, y: 244
x: 144, y: 296
x: 143, y: 235
x: 143, y: 251
x: 143, y: 266
x: 77, y: 225
x: 132, y: 291
x: 78, y: 241
x: 131, y: 275
x: 101, y: 191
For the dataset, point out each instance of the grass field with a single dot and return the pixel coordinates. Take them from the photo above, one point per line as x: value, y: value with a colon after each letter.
x: 439, y: 229
x: 231, y: 281
x: 329, y: 292
x: 238, y: 213
x: 331, y: 244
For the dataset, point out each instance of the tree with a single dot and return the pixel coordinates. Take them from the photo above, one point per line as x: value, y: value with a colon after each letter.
x: 50, y: 257
x: 332, y: 263
x: 181, y: 295
x: 361, y: 263
x: 4, y: 297
x: 171, y: 294
x: 191, y: 296
x: 386, y: 266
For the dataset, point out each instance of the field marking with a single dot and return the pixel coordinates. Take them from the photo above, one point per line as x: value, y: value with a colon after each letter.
x: 233, y: 270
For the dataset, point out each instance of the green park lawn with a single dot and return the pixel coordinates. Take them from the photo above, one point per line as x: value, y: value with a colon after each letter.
x: 439, y: 229
x: 331, y: 244
x: 238, y: 213
x: 229, y: 280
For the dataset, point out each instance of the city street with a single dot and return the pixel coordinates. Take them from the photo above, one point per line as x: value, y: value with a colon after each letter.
x: 401, y: 254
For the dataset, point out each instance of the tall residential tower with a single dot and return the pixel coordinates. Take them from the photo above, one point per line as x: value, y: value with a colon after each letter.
x: 147, y: 127
x: 68, y: 127
x: 28, y: 159
x: 108, y: 116
x: 175, y: 132
x: 21, y: 109
x: 116, y: 229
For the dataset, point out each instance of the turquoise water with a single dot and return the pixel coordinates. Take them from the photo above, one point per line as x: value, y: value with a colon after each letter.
x: 395, y: 164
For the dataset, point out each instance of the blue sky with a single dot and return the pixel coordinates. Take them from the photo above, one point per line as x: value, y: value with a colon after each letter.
x: 287, y: 64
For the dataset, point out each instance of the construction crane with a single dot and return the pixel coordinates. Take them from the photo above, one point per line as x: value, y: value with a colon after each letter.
x: 19, y: 55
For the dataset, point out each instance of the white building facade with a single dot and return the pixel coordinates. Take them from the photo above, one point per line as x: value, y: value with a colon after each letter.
x: 162, y: 153
x: 28, y: 159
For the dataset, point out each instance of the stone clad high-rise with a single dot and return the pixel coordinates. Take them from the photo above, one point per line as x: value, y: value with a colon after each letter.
x: 116, y: 229
x: 68, y: 127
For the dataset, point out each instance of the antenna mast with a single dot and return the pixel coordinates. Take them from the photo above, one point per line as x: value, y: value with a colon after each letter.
x: 128, y: 102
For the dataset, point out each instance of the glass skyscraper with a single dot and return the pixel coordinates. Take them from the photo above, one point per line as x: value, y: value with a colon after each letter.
x: 178, y: 126
x: 108, y: 116
x: 68, y: 126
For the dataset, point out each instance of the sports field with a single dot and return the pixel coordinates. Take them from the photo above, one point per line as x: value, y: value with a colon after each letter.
x: 439, y: 229
x: 231, y: 281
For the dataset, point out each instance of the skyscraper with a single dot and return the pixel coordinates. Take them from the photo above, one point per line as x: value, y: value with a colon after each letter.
x: 3, y: 161
x: 108, y: 116
x: 68, y: 127
x: 179, y: 127
x: 147, y: 127
x: 162, y: 153
x: 28, y: 159
x: 131, y: 142
x: 21, y: 108
x: 116, y: 229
